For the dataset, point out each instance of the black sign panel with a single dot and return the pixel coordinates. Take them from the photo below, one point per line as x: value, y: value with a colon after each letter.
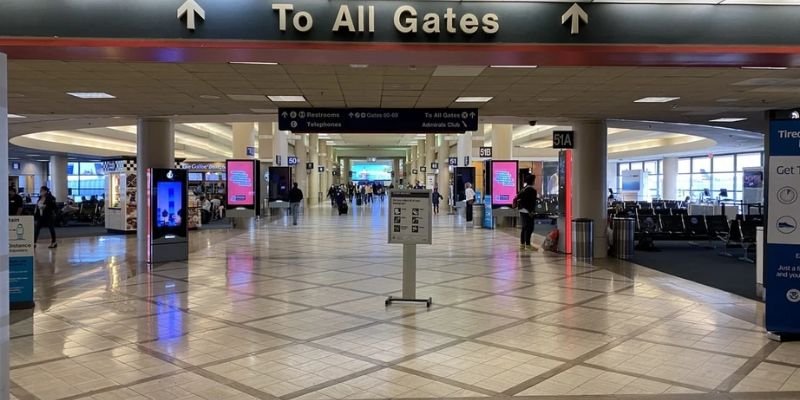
x: 377, y: 120
x: 291, y: 161
x: 321, y: 169
x: 310, y: 165
x: 423, y: 169
x: 485, y: 152
x: 563, y: 139
x: 435, y: 165
x: 452, y: 161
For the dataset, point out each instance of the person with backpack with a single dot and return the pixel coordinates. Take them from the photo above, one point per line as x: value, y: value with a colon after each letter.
x: 295, y: 198
x: 525, y: 202
x: 45, y: 216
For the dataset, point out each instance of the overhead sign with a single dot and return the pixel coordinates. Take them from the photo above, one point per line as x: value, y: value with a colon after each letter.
x: 384, y: 21
x: 782, y: 266
x: 251, y: 151
x: 20, y: 261
x: 377, y: 120
x: 434, y: 165
x: 423, y: 169
x: 310, y: 165
x: 563, y: 139
x: 410, y: 217
x: 278, y: 160
x: 321, y: 169
x: 291, y: 161
x: 452, y: 161
x: 466, y: 161
x: 485, y: 152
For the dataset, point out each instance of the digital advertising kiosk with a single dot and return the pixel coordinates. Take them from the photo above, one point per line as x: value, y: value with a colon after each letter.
x: 243, y: 180
x: 167, y: 225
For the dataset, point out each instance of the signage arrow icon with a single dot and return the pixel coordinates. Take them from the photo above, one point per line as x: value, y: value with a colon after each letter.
x: 576, y: 14
x: 191, y: 9
x: 283, y: 114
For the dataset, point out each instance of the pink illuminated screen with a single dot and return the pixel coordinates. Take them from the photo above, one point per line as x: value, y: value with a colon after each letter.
x: 241, y: 183
x: 504, y: 182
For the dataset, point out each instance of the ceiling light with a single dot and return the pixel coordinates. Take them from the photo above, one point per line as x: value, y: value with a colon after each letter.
x: 247, y: 97
x: 252, y: 63
x: 656, y: 99
x: 287, y: 99
x: 209, y: 97
x: 466, y: 99
x: 767, y: 68
x: 728, y: 120
x: 359, y: 65
x: 264, y: 110
x: 91, y: 95
x: 16, y: 116
x: 514, y: 66
x: 34, y: 155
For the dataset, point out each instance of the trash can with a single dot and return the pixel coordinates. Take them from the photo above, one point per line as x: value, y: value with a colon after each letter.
x: 624, y: 229
x: 478, y: 211
x: 583, y: 238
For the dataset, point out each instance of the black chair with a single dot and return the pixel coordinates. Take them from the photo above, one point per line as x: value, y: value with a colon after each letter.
x: 696, y: 227
x: 663, y: 211
x: 648, y: 223
x: 733, y: 238
x: 748, y: 238
x: 645, y: 205
x: 680, y: 211
x: 758, y: 219
x: 672, y: 226
x: 718, y: 228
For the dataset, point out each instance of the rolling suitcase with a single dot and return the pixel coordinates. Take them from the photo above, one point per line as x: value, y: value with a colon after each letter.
x: 343, y: 209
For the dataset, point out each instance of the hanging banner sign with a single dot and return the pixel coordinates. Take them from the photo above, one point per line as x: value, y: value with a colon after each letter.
x: 782, y: 266
x: 408, y: 21
x: 377, y: 120
x: 20, y: 261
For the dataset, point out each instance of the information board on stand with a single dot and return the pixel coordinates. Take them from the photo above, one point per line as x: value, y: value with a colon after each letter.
x: 782, y: 267
x: 410, y: 224
x: 20, y: 261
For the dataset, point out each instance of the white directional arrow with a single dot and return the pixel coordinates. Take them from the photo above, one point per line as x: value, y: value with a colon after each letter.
x: 191, y: 9
x: 577, y: 15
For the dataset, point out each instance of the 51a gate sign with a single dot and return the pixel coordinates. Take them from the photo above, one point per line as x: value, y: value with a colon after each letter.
x: 563, y: 139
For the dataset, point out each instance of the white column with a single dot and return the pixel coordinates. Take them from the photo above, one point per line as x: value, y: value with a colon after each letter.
x: 396, y: 170
x: 611, y: 176
x: 4, y: 313
x: 301, y: 177
x: 155, y: 148
x: 244, y: 136
x: 313, y: 156
x: 444, y: 171
x: 280, y: 144
x: 345, y: 178
x: 324, y: 161
x: 669, y: 187
x: 58, y: 177
x: 464, y: 149
x: 589, y: 179
x: 502, y: 141
x: 266, y: 147
x: 430, y: 151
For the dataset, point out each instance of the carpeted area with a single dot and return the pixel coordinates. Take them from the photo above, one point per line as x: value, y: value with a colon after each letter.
x: 703, y: 265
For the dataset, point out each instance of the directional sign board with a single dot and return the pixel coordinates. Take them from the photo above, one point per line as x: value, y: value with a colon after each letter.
x: 309, y: 165
x: 563, y: 139
x: 485, y: 152
x: 377, y: 120
x: 434, y: 165
x: 291, y: 161
x: 782, y: 262
x: 410, y: 217
x: 452, y: 161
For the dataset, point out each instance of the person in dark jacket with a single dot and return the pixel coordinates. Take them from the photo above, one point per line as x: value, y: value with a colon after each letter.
x: 295, y: 198
x: 45, y: 215
x: 526, y: 204
x: 436, y: 197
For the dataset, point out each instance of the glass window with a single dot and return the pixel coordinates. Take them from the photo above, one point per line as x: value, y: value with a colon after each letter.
x: 651, y: 167
x: 684, y: 183
x: 724, y: 164
x: 701, y: 182
x: 624, y: 167
x: 684, y: 166
x: 701, y: 165
x: 724, y: 180
x: 652, y: 184
x: 748, y: 160
x: 636, y: 166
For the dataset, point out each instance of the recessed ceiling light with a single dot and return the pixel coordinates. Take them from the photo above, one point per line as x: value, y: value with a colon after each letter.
x: 548, y: 99
x: 727, y: 100
x: 359, y: 65
x: 467, y: 99
x: 16, y: 116
x: 656, y: 99
x: 287, y: 99
x: 264, y: 110
x: 514, y: 66
x: 252, y: 63
x: 209, y: 97
x: 247, y: 97
x: 91, y: 95
x: 728, y: 120
x: 34, y: 155
x: 767, y: 68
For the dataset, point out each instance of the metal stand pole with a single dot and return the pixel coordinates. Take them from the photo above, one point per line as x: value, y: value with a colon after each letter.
x: 409, y: 279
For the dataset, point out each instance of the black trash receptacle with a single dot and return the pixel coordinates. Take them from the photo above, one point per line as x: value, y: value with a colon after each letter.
x: 624, y: 229
x: 583, y: 238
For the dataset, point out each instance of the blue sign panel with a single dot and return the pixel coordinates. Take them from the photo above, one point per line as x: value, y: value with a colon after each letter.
x: 251, y: 151
x: 782, y: 266
x: 20, y: 261
x: 488, y: 219
x: 291, y: 161
x: 377, y: 120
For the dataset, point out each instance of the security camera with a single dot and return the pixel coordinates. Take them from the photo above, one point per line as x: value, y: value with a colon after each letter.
x: 532, y: 123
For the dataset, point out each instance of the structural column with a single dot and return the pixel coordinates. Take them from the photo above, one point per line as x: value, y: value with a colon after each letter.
x: 58, y: 177
x: 345, y: 178
x: 324, y: 162
x: 444, y: 170
x: 464, y: 149
x: 313, y: 156
x: 4, y: 313
x: 589, y: 178
x: 266, y: 148
x: 244, y: 136
x: 155, y: 148
x: 280, y: 145
x: 669, y: 189
x: 301, y: 177
x: 502, y: 142
x: 430, y: 151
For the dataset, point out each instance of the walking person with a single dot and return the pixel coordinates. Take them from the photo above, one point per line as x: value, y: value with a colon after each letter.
x: 15, y: 205
x: 435, y: 199
x: 469, y: 195
x: 295, y: 199
x: 45, y: 216
x: 526, y: 204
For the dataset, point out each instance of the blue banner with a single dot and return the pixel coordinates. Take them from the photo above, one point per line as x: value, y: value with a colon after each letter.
x: 782, y: 261
x: 20, y: 261
x: 488, y: 219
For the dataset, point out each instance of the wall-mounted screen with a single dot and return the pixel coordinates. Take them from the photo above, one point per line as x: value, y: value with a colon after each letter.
x: 195, y: 176
x: 170, y: 204
x: 753, y: 179
x: 280, y: 181
x: 463, y: 175
x: 504, y: 182
x: 371, y: 172
x: 241, y: 183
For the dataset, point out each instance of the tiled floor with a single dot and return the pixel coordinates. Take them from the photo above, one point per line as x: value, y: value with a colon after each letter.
x: 278, y: 311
